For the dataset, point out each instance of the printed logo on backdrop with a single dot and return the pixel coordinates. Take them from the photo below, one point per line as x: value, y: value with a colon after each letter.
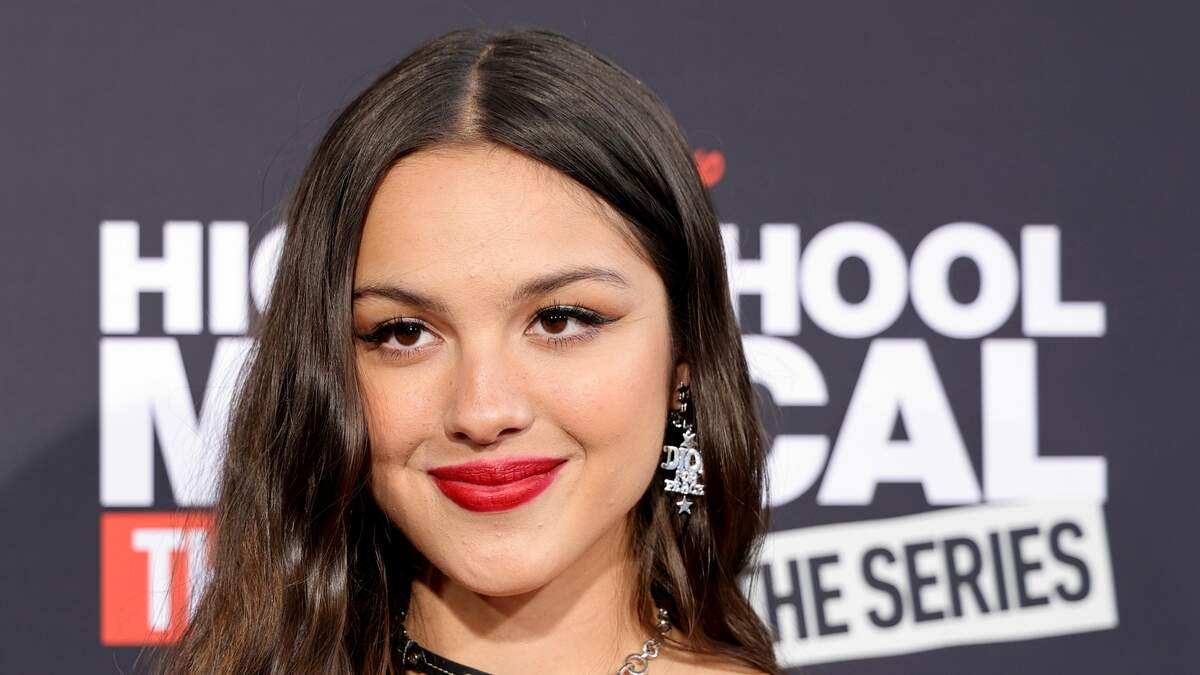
x: 154, y: 556
x: 1023, y: 553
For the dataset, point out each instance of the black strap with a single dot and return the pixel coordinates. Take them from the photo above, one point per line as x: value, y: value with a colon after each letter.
x: 415, y: 657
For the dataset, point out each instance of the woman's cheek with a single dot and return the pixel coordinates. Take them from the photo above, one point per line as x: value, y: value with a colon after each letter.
x: 616, y: 413
x: 613, y: 377
x: 397, y: 420
x: 395, y: 414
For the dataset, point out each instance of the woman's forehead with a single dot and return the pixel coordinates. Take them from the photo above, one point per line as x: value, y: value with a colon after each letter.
x: 487, y: 210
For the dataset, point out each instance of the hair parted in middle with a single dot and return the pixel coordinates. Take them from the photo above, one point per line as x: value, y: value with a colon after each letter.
x: 308, y: 574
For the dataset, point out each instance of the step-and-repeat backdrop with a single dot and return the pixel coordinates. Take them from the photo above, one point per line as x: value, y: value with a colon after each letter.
x: 962, y: 245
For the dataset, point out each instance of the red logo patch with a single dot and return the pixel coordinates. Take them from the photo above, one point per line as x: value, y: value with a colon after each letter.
x: 710, y: 164
x: 153, y: 567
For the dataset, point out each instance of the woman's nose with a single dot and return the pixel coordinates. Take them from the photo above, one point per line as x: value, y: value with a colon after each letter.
x: 488, y: 399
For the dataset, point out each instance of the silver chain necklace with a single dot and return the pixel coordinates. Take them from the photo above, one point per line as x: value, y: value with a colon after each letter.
x: 416, y: 657
x: 640, y: 663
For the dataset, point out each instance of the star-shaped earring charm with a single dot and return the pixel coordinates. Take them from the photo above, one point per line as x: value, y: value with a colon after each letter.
x: 684, y: 505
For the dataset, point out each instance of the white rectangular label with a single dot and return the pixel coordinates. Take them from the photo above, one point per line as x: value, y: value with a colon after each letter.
x: 967, y: 575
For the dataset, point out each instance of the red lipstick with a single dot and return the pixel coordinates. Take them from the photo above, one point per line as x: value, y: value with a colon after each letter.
x: 496, y: 485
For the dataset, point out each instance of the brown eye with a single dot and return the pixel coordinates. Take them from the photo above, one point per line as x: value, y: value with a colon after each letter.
x: 554, y: 323
x: 407, y: 334
x: 401, y: 338
x: 562, y: 324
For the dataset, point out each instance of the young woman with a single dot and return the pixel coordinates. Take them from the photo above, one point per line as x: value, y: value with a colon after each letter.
x: 499, y: 418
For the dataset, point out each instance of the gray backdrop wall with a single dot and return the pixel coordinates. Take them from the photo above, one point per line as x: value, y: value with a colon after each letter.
x: 962, y: 238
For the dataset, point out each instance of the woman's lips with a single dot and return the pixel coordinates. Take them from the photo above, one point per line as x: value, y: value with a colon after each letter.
x: 496, y: 485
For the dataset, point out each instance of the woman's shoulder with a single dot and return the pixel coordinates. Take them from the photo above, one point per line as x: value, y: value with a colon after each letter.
x: 724, y: 668
x: 700, y: 664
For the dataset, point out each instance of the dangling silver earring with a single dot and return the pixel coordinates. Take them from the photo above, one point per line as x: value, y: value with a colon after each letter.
x: 684, y: 458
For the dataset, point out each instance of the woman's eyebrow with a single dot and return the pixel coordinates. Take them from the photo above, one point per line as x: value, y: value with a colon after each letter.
x: 557, y: 279
x: 402, y: 295
x: 536, y: 286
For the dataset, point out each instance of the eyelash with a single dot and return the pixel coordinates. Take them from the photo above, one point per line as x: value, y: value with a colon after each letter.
x: 382, y: 332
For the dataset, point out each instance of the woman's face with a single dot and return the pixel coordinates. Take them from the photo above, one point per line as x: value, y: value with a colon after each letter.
x: 507, y: 324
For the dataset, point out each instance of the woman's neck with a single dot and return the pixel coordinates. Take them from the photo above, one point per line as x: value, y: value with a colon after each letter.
x: 581, y: 621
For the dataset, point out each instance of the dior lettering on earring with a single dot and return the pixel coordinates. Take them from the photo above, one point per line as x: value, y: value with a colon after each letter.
x: 684, y: 458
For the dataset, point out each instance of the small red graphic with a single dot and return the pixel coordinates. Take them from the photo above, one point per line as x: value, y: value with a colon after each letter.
x: 153, y: 566
x: 711, y: 164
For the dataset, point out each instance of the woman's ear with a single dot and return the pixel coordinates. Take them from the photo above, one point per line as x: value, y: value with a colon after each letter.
x: 681, y: 375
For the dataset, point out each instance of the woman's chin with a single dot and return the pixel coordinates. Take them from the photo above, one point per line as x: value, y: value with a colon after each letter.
x: 502, y: 578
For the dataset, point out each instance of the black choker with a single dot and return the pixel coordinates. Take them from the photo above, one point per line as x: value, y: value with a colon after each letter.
x: 415, y: 657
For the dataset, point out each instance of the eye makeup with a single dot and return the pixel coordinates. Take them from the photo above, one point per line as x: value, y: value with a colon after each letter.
x: 400, y: 337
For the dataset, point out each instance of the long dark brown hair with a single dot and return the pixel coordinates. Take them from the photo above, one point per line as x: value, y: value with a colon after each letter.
x: 308, y: 574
